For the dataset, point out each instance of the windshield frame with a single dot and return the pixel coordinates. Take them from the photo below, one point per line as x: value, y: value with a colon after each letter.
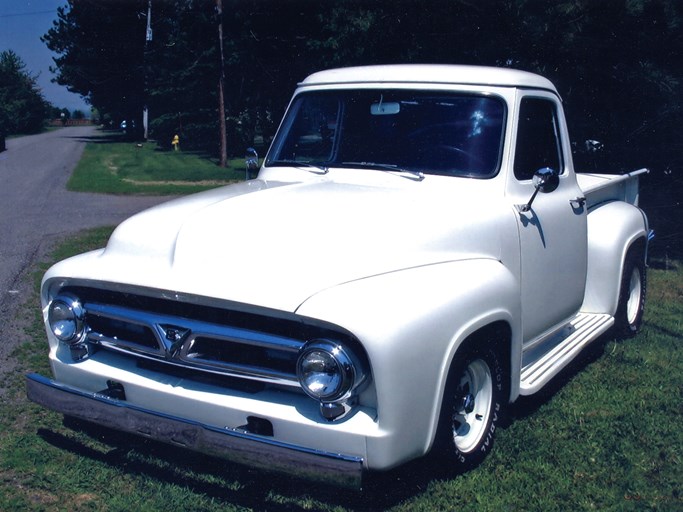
x: 345, y: 96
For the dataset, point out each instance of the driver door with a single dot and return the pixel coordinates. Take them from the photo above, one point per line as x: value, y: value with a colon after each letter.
x: 553, y: 246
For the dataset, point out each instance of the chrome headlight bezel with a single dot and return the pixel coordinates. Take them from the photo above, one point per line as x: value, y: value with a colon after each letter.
x: 66, y: 318
x: 328, y: 371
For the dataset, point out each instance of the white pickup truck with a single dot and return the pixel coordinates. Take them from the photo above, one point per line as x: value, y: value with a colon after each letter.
x: 416, y: 252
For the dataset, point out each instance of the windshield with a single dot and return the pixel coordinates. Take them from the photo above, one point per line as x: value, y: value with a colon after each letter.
x: 430, y: 132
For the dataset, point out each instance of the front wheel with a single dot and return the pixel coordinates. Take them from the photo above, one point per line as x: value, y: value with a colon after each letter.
x: 629, y: 316
x: 472, y: 409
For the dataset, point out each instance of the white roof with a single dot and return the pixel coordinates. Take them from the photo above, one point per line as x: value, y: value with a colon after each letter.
x: 431, y: 74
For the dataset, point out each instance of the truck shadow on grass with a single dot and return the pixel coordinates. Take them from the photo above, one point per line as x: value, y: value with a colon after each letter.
x: 231, y: 483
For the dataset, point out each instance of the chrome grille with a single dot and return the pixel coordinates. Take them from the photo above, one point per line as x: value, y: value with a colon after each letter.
x: 200, y: 337
x: 207, y: 346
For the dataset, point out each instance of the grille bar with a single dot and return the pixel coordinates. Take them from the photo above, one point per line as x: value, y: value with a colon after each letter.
x: 207, y: 346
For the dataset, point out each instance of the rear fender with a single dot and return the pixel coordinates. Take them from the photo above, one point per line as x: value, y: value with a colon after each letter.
x: 612, y: 229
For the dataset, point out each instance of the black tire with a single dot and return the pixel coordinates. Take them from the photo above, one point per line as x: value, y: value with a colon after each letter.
x: 473, y: 408
x: 629, y: 316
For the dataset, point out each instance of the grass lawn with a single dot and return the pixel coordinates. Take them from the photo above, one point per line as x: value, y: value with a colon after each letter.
x: 607, y: 435
x: 114, y: 167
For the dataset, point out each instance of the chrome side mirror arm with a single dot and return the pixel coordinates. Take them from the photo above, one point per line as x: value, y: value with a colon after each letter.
x: 544, y: 180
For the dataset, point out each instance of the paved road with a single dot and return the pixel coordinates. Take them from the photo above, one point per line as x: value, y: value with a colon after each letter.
x: 36, y: 211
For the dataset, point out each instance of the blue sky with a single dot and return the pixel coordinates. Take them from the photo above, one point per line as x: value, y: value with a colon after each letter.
x: 22, y: 22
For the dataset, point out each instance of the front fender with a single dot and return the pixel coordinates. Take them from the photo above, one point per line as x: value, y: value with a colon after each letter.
x: 612, y: 229
x: 411, y: 324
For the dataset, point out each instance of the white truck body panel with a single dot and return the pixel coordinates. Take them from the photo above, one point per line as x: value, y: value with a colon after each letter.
x: 407, y: 269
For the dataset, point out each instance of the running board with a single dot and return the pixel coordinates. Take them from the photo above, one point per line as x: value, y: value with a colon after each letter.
x: 545, y: 360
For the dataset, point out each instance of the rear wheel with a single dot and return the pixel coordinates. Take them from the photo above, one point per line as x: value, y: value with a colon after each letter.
x: 629, y: 315
x: 472, y: 408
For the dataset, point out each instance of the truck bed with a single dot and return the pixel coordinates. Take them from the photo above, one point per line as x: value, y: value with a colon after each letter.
x: 601, y: 188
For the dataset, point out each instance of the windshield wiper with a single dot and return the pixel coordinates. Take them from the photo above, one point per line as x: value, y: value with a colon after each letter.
x: 390, y: 168
x: 317, y: 168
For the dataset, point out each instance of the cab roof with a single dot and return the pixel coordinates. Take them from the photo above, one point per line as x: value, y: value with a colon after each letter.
x: 431, y: 74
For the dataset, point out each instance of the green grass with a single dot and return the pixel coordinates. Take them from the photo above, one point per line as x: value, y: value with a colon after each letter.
x: 113, y: 167
x: 606, y: 436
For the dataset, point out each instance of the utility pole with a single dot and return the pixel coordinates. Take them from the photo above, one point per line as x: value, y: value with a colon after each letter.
x: 221, y: 79
x: 148, y: 39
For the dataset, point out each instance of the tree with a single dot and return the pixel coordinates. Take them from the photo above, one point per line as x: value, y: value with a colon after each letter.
x: 182, y: 72
x: 616, y: 62
x: 101, y: 50
x: 22, y: 106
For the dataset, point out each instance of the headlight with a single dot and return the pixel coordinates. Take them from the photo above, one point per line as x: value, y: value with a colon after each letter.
x: 65, y: 317
x: 326, y: 371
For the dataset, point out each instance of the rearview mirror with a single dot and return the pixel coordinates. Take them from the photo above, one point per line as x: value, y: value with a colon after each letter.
x: 385, y: 108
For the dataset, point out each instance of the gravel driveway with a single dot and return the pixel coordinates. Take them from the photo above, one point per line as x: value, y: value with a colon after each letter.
x: 36, y: 211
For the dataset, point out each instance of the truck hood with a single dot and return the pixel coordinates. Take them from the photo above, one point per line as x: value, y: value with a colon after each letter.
x: 275, y: 244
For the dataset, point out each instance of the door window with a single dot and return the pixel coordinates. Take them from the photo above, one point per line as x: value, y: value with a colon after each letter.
x: 538, y: 138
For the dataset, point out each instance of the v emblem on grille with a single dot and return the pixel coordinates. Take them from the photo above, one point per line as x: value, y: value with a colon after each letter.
x: 173, y: 338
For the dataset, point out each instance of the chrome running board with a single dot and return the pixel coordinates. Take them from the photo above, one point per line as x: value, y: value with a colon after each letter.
x: 543, y: 361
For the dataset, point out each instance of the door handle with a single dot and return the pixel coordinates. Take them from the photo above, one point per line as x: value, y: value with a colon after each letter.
x: 578, y: 202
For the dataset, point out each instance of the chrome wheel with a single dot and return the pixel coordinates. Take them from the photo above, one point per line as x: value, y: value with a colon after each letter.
x: 633, y: 304
x: 475, y: 396
x: 473, y: 406
x: 629, y: 315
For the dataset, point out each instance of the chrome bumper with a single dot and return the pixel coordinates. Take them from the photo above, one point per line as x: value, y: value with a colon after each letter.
x: 235, y: 445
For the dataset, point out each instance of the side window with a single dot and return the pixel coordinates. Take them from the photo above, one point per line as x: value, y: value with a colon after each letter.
x: 538, y: 138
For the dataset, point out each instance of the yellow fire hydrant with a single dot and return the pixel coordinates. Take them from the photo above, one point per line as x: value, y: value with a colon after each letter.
x: 175, y: 142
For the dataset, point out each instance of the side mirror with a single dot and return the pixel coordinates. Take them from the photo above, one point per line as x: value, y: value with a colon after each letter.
x: 544, y: 180
x: 250, y: 161
x: 593, y: 146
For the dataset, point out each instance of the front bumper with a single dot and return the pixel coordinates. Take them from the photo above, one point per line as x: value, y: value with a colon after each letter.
x: 235, y: 445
